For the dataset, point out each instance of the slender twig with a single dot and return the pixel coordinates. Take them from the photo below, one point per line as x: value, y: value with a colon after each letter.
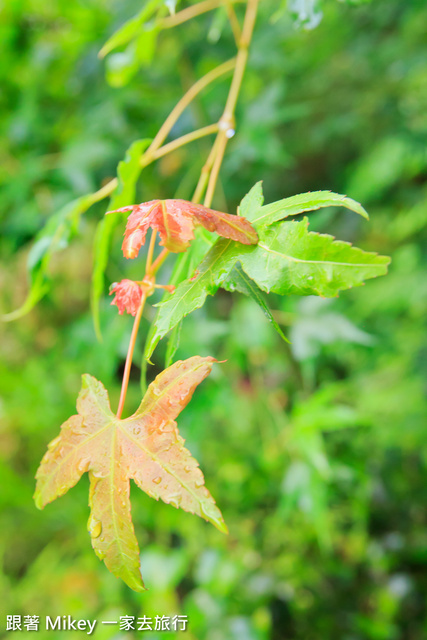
x: 205, y: 173
x: 234, y: 23
x: 191, y: 12
x: 155, y: 149
x: 187, y: 98
x: 104, y: 191
x: 159, y: 261
x: 226, y: 123
x: 219, y: 155
x: 148, y: 157
x: 242, y: 58
x: 170, y: 121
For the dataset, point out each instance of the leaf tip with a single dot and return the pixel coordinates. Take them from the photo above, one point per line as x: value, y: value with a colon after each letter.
x: 138, y: 586
x: 38, y: 500
x: 362, y: 211
x: 219, y: 523
x: 86, y: 380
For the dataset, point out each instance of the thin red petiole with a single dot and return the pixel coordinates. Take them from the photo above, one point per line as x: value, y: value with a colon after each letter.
x: 150, y: 251
x: 151, y: 270
x: 129, y: 356
x: 168, y: 287
x: 159, y: 261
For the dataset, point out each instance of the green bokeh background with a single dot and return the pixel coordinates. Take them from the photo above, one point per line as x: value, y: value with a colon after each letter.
x: 316, y: 452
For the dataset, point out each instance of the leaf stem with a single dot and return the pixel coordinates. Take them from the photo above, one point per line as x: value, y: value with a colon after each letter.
x: 242, y: 58
x: 159, y: 261
x: 149, y: 157
x: 191, y: 12
x: 155, y: 149
x: 235, y: 26
x: 129, y: 356
x: 151, y: 270
x: 205, y: 173
x: 227, y: 122
x: 150, y: 251
x: 216, y: 166
x: 186, y: 100
x: 104, y: 191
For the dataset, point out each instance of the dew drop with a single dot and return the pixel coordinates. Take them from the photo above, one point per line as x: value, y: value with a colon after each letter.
x: 209, y: 510
x: 175, y: 500
x: 97, y: 473
x: 187, y: 469
x: 54, y: 443
x: 165, y: 427
x: 82, y: 465
x: 136, y: 431
x: 94, y: 527
x: 157, y: 480
x: 198, y: 484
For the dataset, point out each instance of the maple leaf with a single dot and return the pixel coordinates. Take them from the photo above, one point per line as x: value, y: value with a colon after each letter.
x: 145, y: 447
x: 127, y: 297
x: 175, y: 221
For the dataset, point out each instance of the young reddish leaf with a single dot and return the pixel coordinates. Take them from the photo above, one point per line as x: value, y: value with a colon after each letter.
x: 128, y: 296
x: 175, y: 221
x: 145, y: 447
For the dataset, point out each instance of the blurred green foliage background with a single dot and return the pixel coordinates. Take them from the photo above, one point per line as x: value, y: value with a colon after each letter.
x: 316, y: 452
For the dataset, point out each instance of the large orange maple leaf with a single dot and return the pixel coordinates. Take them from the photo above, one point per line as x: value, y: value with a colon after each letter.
x: 145, y: 447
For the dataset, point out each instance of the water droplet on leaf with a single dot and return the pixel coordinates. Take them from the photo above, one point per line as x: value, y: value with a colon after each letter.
x: 209, y: 510
x: 54, y: 443
x: 94, y: 527
x: 83, y: 463
x: 175, y: 500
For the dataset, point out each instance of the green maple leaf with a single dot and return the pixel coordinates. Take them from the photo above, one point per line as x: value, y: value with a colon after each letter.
x: 289, y: 259
x: 191, y: 293
x: 145, y: 447
x: 253, y: 208
x: 239, y: 281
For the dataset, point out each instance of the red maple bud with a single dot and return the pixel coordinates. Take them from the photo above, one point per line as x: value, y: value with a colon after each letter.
x: 175, y: 221
x: 128, y: 296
